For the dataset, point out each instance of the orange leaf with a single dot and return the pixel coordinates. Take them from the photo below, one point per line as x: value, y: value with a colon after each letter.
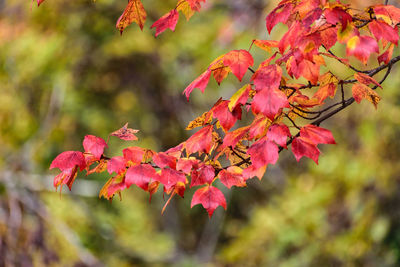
x: 134, y: 12
x: 365, y: 79
x: 361, y: 91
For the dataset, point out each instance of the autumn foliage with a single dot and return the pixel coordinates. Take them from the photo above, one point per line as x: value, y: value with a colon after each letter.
x: 286, y: 97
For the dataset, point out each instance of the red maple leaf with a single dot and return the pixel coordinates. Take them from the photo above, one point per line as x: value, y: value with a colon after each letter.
x: 140, y: 175
x: 133, y: 154
x: 169, y: 20
x: 317, y: 135
x: 269, y: 102
x: 303, y: 147
x: 210, y: 197
x: 267, y: 77
x: 362, y: 47
x: 279, y: 14
x: 279, y: 134
x: 263, y: 152
x: 200, y: 141
x: 162, y: 160
x: 383, y: 31
x: 232, y: 176
x: 200, y: 82
x: 68, y: 160
x: 202, y: 175
x: 94, y: 145
x: 239, y: 61
x: 116, y: 164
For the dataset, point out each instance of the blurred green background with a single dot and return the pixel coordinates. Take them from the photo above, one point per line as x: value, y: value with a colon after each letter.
x: 65, y: 72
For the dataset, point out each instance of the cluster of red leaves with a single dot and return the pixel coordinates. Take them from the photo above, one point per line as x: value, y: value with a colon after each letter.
x: 281, y: 93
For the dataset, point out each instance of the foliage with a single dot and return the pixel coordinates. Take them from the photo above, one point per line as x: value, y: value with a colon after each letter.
x: 276, y: 94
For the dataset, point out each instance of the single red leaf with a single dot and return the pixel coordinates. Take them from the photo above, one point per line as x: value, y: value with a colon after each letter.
x: 186, y: 164
x: 252, y: 171
x: 337, y: 15
x: 317, y: 135
x: 162, y: 160
x: 269, y: 102
x: 232, y: 177
x: 267, y: 77
x: 280, y: 14
x: 133, y: 154
x: 263, y: 152
x: 304, y: 147
x: 232, y: 138
x: 169, y: 178
x: 39, y: 2
x: 382, y: 30
x: 202, y: 175
x: 200, y: 141
x: 94, y: 145
x: 362, y: 47
x: 279, y: 134
x: 210, y: 197
x: 134, y: 12
x: 226, y: 118
x: 116, y: 164
x: 140, y: 175
x: 200, y: 82
x: 68, y: 160
x: 175, y: 151
x: 125, y: 133
x: 169, y: 20
x: 239, y: 61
